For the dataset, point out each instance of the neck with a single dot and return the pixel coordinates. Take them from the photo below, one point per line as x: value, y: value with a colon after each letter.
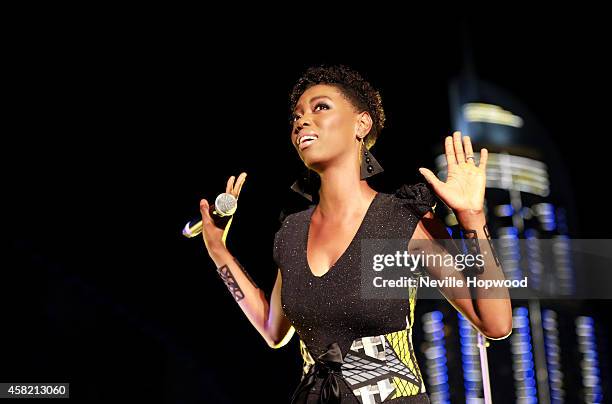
x: 342, y: 192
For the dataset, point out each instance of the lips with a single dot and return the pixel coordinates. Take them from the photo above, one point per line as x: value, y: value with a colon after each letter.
x: 306, y: 139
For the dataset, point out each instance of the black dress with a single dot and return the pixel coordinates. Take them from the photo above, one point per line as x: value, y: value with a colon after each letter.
x: 359, y: 350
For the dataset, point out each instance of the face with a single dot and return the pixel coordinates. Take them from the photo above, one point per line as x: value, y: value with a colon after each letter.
x: 326, y: 126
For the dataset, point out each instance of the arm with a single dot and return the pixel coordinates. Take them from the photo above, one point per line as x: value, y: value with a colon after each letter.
x: 491, y: 316
x: 463, y: 192
x: 268, y: 318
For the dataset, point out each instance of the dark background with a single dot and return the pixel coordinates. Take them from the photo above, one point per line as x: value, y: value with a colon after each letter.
x: 118, y: 130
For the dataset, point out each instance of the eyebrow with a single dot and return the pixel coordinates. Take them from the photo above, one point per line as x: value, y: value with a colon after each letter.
x: 313, y: 99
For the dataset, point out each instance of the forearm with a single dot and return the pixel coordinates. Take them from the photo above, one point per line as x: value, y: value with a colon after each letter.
x: 492, y: 306
x: 245, y: 292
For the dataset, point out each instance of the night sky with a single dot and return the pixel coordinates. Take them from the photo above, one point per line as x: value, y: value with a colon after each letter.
x: 118, y: 133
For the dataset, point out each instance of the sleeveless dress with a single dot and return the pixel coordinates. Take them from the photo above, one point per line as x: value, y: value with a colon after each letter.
x: 354, y: 350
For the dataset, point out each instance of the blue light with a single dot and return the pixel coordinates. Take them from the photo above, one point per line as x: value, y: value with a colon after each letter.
x: 435, y: 353
x: 470, y: 359
x: 436, y: 316
x: 524, y: 374
x: 587, y: 345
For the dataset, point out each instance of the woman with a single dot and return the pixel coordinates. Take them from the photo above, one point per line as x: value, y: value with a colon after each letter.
x: 356, y: 350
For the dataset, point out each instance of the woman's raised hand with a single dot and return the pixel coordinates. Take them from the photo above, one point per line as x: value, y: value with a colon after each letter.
x: 214, y: 237
x: 464, y: 189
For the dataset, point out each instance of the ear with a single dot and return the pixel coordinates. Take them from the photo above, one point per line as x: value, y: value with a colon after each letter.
x: 364, y: 124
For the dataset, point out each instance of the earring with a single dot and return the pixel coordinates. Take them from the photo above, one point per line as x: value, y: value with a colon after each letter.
x: 308, y: 184
x: 369, y: 165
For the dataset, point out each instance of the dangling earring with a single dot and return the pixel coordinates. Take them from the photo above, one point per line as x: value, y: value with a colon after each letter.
x: 369, y: 165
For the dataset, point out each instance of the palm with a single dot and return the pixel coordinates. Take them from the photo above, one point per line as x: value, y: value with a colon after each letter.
x: 465, y: 184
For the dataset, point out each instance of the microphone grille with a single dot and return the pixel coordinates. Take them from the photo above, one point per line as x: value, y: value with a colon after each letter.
x: 226, y: 204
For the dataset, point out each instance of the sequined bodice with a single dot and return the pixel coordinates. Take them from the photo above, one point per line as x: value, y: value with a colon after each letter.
x: 374, y: 335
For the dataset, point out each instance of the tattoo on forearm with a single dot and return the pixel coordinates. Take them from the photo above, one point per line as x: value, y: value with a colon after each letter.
x: 468, y: 234
x: 471, y: 241
x: 229, y: 280
x: 246, y: 274
x: 488, y: 235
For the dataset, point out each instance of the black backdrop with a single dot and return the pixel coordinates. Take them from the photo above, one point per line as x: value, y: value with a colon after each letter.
x: 118, y: 132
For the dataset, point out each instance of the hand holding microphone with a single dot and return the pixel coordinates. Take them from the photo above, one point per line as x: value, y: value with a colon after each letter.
x: 221, y: 212
x: 216, y: 219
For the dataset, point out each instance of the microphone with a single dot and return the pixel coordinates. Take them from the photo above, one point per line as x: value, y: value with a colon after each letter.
x: 221, y: 212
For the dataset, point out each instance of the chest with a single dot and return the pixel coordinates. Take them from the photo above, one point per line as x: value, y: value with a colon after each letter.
x: 327, y: 243
x: 322, y: 292
x: 333, y: 307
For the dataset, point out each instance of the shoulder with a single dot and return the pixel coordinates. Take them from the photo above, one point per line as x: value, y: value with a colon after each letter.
x: 289, y: 233
x: 289, y: 222
x: 418, y: 198
x: 288, y: 218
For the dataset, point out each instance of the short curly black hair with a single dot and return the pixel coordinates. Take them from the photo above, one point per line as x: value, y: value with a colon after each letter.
x: 353, y: 86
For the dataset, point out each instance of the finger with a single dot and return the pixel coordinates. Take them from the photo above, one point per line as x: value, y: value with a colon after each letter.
x: 230, y: 185
x: 429, y: 176
x: 205, y: 211
x: 449, y: 150
x: 239, y: 183
x: 484, y: 157
x: 458, y: 148
x: 467, y: 146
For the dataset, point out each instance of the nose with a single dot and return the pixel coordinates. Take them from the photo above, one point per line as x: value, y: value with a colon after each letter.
x: 301, y: 123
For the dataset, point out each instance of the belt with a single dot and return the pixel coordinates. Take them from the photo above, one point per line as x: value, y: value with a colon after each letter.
x: 327, y: 366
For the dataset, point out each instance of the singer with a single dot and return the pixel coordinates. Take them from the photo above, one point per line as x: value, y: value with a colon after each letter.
x: 356, y: 350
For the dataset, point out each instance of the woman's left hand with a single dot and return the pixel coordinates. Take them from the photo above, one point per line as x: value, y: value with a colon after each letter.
x: 464, y: 188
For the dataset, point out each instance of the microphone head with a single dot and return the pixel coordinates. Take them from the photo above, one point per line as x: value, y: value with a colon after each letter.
x: 226, y: 204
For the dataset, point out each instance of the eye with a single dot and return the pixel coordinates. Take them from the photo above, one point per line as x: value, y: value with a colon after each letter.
x: 322, y: 105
